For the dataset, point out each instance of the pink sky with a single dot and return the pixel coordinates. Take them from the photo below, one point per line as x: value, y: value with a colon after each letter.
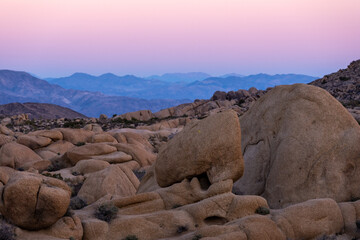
x: 143, y: 37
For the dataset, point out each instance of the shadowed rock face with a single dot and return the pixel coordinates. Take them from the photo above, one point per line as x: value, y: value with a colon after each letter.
x: 300, y: 143
x: 344, y: 85
x: 211, y: 146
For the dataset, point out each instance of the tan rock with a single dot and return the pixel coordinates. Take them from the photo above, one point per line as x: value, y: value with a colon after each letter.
x: 89, y: 166
x: 111, y: 180
x: 87, y: 151
x: 138, y: 153
x: 310, y: 219
x: 59, y: 147
x: 102, y: 137
x: 115, y: 157
x: 142, y: 115
x: 76, y: 136
x: 211, y: 146
x: 5, y: 139
x: 64, y: 228
x: 52, y: 134
x: 34, y: 141
x: 15, y: 155
x: 4, y: 130
x: 33, y: 202
x: 299, y: 143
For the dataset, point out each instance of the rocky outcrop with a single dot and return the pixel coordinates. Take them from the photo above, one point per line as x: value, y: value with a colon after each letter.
x: 211, y: 146
x: 299, y: 143
x: 344, y: 85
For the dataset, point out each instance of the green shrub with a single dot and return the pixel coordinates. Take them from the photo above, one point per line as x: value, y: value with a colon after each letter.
x: 55, y: 175
x: 181, y: 229
x: 197, y: 237
x: 262, y: 210
x: 77, y: 203
x: 106, y: 212
x: 344, y: 78
x: 130, y: 237
x: 79, y: 144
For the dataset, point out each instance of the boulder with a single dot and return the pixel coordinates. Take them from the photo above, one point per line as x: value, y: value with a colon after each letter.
x: 15, y: 155
x: 76, y: 136
x: 89, y: 166
x: 4, y: 130
x: 310, y: 219
x: 299, y: 143
x: 142, y: 115
x: 111, y: 180
x: 32, y: 201
x: 115, y: 157
x: 5, y: 139
x: 211, y: 146
x: 87, y: 151
x: 53, y: 134
x: 64, y: 228
x: 59, y: 147
x: 102, y: 137
x: 34, y: 141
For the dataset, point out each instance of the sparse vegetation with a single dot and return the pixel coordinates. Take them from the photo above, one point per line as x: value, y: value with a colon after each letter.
x: 55, y: 175
x: 78, y: 123
x: 130, y: 237
x: 344, y: 78
x: 181, y: 229
x: 79, y: 144
x: 139, y: 174
x: 6, y: 232
x: 262, y: 210
x: 197, y: 237
x: 106, y: 212
x: 77, y: 203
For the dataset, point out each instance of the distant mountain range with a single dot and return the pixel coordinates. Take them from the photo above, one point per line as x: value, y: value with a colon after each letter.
x: 22, y: 87
x: 174, y: 86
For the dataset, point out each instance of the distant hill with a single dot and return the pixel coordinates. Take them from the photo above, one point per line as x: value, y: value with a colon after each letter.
x: 181, y: 77
x: 175, y: 86
x: 39, y: 110
x: 344, y: 85
x: 22, y: 87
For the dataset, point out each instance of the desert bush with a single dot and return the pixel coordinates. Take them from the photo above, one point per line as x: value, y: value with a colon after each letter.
x: 55, y: 175
x: 106, y: 212
x: 79, y: 144
x: 181, y: 229
x: 6, y: 232
x: 262, y: 210
x: 130, y: 237
x: 197, y: 237
x: 139, y: 174
x: 77, y: 203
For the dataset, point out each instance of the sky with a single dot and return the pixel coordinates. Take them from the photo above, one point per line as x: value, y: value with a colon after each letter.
x: 53, y: 38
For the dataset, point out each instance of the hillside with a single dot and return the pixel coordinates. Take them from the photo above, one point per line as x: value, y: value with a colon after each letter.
x: 39, y: 111
x: 344, y: 85
x: 22, y: 87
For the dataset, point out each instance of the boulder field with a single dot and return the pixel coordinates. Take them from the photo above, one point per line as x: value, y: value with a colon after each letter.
x: 286, y: 169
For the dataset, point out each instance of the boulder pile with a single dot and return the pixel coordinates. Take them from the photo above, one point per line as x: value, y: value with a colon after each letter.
x: 287, y: 169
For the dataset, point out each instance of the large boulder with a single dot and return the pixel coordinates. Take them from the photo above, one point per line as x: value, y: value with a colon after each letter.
x: 88, y: 150
x: 15, y: 155
x: 211, y: 146
x: 299, y: 143
x: 53, y: 134
x: 76, y: 136
x: 113, y: 180
x: 34, y: 141
x: 32, y: 201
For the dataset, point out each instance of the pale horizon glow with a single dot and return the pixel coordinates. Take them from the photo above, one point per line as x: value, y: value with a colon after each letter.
x: 57, y: 38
